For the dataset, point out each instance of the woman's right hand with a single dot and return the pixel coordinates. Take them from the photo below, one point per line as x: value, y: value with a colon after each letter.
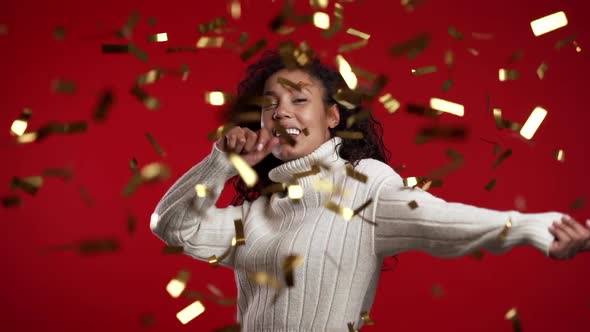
x: 251, y: 146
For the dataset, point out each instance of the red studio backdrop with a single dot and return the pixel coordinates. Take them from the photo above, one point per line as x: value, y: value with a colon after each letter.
x: 125, y: 289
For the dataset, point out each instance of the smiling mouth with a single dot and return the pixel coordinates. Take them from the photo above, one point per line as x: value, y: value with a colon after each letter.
x: 290, y: 131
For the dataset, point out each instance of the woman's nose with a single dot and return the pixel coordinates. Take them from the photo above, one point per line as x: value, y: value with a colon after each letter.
x: 280, y: 113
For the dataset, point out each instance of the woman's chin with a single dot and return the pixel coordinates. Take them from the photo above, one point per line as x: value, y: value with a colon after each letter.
x: 285, y: 152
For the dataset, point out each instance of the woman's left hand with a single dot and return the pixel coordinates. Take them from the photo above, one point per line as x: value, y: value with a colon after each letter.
x: 570, y: 238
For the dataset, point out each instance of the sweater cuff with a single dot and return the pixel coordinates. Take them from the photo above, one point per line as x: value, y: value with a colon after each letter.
x: 222, y: 166
x: 533, y: 228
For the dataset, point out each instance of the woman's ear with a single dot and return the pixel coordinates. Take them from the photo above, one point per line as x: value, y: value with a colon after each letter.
x: 333, y: 116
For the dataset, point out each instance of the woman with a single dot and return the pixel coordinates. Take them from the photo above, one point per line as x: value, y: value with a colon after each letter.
x: 295, y: 143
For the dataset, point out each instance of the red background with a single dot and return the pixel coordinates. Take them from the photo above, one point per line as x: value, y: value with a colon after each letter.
x: 66, y: 291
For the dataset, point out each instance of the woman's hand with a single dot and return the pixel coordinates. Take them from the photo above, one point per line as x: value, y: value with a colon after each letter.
x: 251, y: 146
x: 570, y: 238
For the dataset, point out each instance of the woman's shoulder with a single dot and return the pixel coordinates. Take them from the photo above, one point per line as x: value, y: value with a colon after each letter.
x: 375, y: 169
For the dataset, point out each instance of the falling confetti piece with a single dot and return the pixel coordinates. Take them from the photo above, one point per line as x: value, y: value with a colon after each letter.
x: 447, y: 106
x: 455, y: 33
x: 158, y: 37
x: 59, y: 33
x: 259, y: 45
x: 65, y: 173
x: 190, y: 312
x: 295, y: 191
x: 321, y: 20
x: 508, y: 75
x: 512, y: 315
x: 177, y: 285
x: 578, y: 203
x: 413, y: 205
x: 206, y: 42
x: 343, y: 211
x: 155, y: 145
x: 502, y: 157
x: 29, y: 185
x: 490, y: 185
x: 412, y: 47
x: 213, y: 25
x: 151, y: 103
x: 174, y: 250
x: 506, y: 229
x: 437, y: 291
x: 105, y: 102
x: 560, y: 155
x: 63, y: 86
x: 447, y: 85
x: 548, y: 23
x: 366, y: 318
x: 346, y: 72
x: 533, y: 122
x: 19, y: 126
x: 11, y: 201
x: 542, y: 70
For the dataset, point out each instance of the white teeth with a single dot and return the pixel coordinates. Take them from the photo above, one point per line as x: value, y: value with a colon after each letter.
x: 290, y: 131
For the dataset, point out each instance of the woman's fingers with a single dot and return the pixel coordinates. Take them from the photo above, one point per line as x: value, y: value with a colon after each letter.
x: 557, y: 230
x: 264, y: 136
x: 251, y: 139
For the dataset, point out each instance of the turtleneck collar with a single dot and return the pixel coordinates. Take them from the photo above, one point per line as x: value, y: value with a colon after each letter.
x: 325, y: 154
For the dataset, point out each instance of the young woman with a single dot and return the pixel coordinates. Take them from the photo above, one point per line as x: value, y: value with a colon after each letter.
x: 341, y: 251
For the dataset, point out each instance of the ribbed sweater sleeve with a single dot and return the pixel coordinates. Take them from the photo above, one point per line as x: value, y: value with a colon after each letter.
x: 446, y: 229
x: 181, y: 218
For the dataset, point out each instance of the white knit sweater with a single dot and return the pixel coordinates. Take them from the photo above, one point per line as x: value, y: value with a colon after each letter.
x: 341, y: 259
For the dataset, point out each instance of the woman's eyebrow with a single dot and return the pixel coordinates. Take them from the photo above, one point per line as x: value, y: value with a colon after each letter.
x: 270, y: 93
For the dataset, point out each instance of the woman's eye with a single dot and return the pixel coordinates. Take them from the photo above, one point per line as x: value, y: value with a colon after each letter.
x: 270, y: 106
x: 299, y: 100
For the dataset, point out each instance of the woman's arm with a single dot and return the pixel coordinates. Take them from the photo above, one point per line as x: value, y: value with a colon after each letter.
x: 183, y: 219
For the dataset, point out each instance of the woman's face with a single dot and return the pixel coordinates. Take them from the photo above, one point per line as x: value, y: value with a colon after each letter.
x: 297, y: 111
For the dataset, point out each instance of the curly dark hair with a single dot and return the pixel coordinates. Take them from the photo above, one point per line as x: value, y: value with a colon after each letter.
x: 351, y: 150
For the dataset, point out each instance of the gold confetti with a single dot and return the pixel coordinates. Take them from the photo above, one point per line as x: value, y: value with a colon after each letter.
x: 542, y: 70
x: 246, y: 172
x: 190, y: 312
x: 338, y: 17
x: 349, y: 134
x: 11, y: 201
x: 315, y: 169
x: 437, y: 291
x: 366, y: 318
x: 133, y: 165
x: 490, y: 185
x: 201, y: 190
x: 288, y: 85
x: 502, y: 123
x: 350, y: 172
x: 131, y: 224
x: 158, y: 37
x: 321, y: 20
x: 548, y: 23
x: 347, y: 98
x: 516, y: 56
x: 357, y: 33
x: 533, y: 122
x: 447, y: 106
x: 410, y: 5
x: 352, y: 46
x: 235, y: 9
x: 315, y: 4
x: 506, y: 229
x: 115, y: 48
x: 560, y: 155
x: 155, y: 172
x: 181, y: 49
x: 59, y: 33
x: 344, y: 212
x: 140, y: 54
x: 455, y: 33
x: 177, y: 285
x: 219, y: 131
x: 410, y: 181
x: 346, y: 72
x: 259, y: 45
x: 205, y: 42
x: 424, y: 70
x: 150, y: 102
x: 147, y: 320
x: 357, y: 117
x: 64, y: 173
x: 151, y: 21
x: 295, y: 191
x: 88, y: 247
x: 413, y: 205
x: 239, y: 239
x: 64, y: 86
x: 391, y: 104
x: 274, y: 188
x: 155, y: 145
x: 105, y: 102
x: 362, y: 207
x: 19, y: 126
x: 412, y: 47
x: 447, y: 85
x: 127, y: 30
x: 441, y: 132
x: 449, y: 58
x: 364, y: 73
x: 578, y: 203
x: 173, y: 250
x: 289, y: 264
x: 86, y: 196
x: 263, y: 278
x: 217, y: 98
x: 473, y: 51
x: 578, y: 48
x: 150, y: 77
x: 508, y: 75
x: 243, y: 38
x: 502, y: 157
x: 512, y: 315
x: 213, y: 25
x: 26, y: 138
x: 29, y: 185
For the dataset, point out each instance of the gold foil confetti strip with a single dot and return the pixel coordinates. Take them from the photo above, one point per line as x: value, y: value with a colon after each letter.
x: 578, y: 203
x: 362, y: 207
x: 391, y: 104
x: 578, y: 48
x: 235, y: 9
x: 151, y: 103
x: 60, y: 128
x: 208, y: 42
x: 239, y: 239
x: 456, y: 162
x: 357, y: 117
x: 566, y: 41
x: 347, y: 98
x: 455, y: 33
x: 315, y: 169
x: 295, y: 191
x: 213, y: 25
x: 172, y: 250
x: 59, y: 33
x: 90, y: 247
x: 412, y: 47
x: 243, y: 38
x: 246, y: 117
x: 447, y: 106
x: 105, y: 102
x: 150, y: 77
x: 274, y: 188
x: 289, y: 265
x: 115, y: 48
x: 506, y: 229
x: 315, y: 4
x: 512, y: 315
x: 437, y: 291
x: 344, y: 212
x: 139, y: 53
x: 19, y: 126
x: 352, y: 46
x: 177, y: 285
x: 422, y: 110
x: 64, y: 173
x: 559, y: 155
x: 259, y: 45
x: 214, y: 290
x: 447, y: 85
x: 86, y: 196
x: 424, y: 70
x: 350, y: 172
x: 133, y: 165
x: 131, y: 224
x: 473, y: 51
x: 27, y: 138
x: 449, y: 58
x: 542, y: 70
x: 366, y: 318
x: 147, y: 320
x: 508, y: 74
x: 502, y: 157
x: 533, y: 122
x: 548, y: 23
x: 155, y: 145
x: 502, y: 123
x: 201, y: 190
x: 349, y: 134
x: 151, y: 21
x: 288, y: 85
x: 181, y: 49
x: 217, y: 98
x: 410, y: 181
x: 220, y: 131
x: 63, y: 86
x: 246, y: 172
x: 327, y: 187
x: 490, y: 185
x: 29, y: 185
x: 264, y: 279
x: 154, y: 172
x: 321, y: 20
x: 127, y: 30
x: 346, y: 72
x: 158, y: 37
x: 337, y: 25
x: 190, y: 312
x: 413, y: 205
x: 357, y: 33
x: 364, y: 73
x: 11, y: 201
x: 515, y: 57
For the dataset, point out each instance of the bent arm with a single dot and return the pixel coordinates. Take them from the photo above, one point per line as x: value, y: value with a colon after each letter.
x: 181, y: 218
x: 445, y: 229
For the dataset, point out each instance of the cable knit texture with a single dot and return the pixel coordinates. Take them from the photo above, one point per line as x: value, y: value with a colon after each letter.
x: 341, y: 259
